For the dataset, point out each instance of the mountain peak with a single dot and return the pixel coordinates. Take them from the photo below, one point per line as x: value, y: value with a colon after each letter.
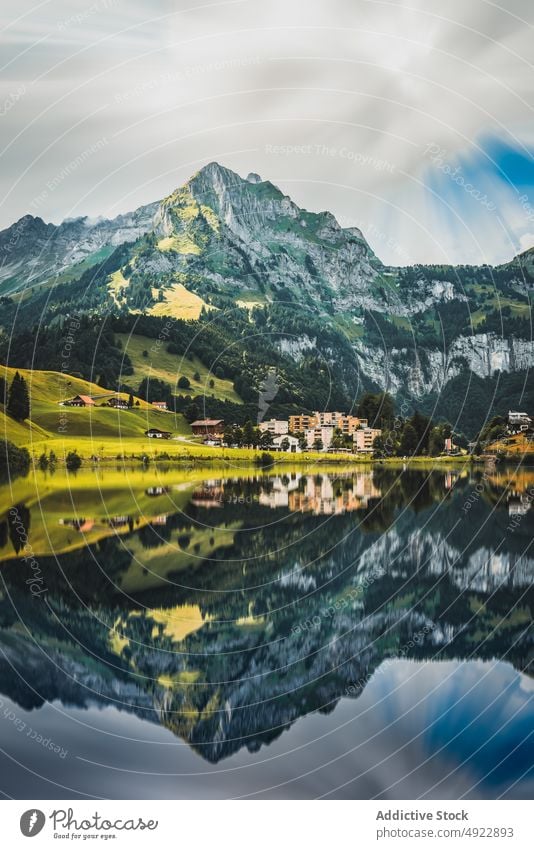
x: 28, y: 224
x: 213, y: 172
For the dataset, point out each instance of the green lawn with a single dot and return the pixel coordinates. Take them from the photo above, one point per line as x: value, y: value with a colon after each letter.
x: 105, y: 422
x: 18, y: 432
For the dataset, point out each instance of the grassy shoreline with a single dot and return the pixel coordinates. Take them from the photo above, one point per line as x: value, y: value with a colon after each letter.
x: 106, y: 452
x: 133, y: 451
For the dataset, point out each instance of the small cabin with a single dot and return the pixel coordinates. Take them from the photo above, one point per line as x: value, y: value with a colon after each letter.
x: 80, y: 401
x: 156, y: 433
x: 160, y: 405
x: 208, y: 427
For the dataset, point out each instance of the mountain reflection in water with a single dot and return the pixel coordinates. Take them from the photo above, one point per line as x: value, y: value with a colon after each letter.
x: 228, y: 610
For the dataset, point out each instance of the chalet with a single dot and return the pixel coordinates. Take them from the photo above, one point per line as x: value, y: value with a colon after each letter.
x: 208, y: 427
x: 156, y: 433
x: 160, y: 405
x: 118, y: 403
x: 80, y: 401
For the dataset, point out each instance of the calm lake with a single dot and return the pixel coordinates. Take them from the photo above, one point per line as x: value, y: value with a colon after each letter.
x: 343, y: 633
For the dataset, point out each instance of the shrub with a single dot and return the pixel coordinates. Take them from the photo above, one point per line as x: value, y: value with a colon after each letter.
x: 73, y: 461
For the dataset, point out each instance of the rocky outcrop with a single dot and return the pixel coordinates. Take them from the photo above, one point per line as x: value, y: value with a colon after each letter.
x: 423, y: 370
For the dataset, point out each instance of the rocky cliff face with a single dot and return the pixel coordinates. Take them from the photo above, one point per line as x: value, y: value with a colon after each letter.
x: 423, y: 370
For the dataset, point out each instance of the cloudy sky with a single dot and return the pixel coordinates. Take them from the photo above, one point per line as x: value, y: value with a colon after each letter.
x: 412, y: 120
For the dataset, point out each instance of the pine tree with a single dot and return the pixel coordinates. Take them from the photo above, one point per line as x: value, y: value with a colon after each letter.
x: 105, y: 380
x: 248, y: 433
x: 409, y: 442
x: 18, y: 404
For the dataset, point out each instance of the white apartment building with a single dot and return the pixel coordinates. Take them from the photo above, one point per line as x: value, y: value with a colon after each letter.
x: 276, y: 427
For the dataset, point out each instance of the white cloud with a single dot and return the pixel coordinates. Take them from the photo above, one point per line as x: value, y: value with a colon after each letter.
x: 174, y: 85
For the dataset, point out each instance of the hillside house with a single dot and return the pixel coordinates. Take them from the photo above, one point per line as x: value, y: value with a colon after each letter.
x: 118, y: 403
x: 208, y: 427
x: 80, y: 401
x: 160, y: 405
x: 519, y: 422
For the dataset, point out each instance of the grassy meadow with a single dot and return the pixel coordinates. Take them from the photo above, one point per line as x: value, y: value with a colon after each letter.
x: 99, y: 430
x: 170, y: 367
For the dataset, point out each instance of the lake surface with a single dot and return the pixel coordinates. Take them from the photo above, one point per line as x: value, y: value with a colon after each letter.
x: 344, y: 633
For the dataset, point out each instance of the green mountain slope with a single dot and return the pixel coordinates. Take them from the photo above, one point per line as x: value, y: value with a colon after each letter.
x: 51, y: 420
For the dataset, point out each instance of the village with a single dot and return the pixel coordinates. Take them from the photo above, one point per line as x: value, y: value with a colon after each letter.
x: 329, y: 432
x: 317, y: 431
